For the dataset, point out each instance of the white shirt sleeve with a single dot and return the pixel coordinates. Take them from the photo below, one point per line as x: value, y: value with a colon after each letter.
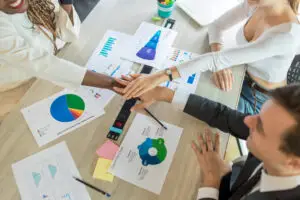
x: 207, y: 192
x: 265, y: 47
x: 67, y: 31
x: 227, y: 20
x: 16, y: 52
x: 180, y: 99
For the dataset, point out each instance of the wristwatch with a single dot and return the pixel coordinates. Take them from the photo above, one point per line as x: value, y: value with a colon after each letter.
x: 64, y: 2
x: 168, y: 71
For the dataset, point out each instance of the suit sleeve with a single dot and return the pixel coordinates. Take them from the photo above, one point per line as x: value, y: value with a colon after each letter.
x: 217, y: 115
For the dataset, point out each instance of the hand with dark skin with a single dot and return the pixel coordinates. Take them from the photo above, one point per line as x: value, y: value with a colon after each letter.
x: 94, y: 79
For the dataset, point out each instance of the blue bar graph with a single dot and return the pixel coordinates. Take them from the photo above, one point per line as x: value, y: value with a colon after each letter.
x: 115, y: 71
x: 108, y: 47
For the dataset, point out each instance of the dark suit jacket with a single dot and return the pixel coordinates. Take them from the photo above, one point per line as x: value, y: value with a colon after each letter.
x: 231, y: 121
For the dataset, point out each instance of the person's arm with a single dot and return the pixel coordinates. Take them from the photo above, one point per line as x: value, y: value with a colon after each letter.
x: 214, y: 114
x: 269, y: 45
x: 16, y: 52
x: 265, y: 47
x: 67, y: 21
x: 224, y: 22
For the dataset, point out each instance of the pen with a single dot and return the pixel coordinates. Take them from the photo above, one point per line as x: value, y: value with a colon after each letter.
x: 155, y: 118
x: 92, y: 187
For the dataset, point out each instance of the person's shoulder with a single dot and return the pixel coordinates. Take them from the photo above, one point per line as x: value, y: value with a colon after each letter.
x: 286, y: 28
x: 3, y: 15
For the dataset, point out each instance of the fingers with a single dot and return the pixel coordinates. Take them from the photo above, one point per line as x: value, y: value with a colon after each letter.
x: 226, y: 78
x: 196, y: 149
x: 216, y: 80
x: 229, y: 79
x: 221, y: 80
x: 118, y: 90
x: 122, y: 82
x: 217, y: 142
x: 127, y: 78
x: 131, y: 87
x: 141, y: 92
x: 202, y: 144
x: 138, y: 89
x: 208, y: 140
x: 134, y: 76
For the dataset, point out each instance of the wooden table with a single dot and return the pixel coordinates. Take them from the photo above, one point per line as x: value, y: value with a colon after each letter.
x: 183, y: 180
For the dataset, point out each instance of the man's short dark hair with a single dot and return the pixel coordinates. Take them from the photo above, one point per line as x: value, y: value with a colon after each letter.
x: 289, y: 98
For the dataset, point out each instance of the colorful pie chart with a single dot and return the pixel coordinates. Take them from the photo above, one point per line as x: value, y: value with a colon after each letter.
x: 152, y: 151
x: 67, y: 108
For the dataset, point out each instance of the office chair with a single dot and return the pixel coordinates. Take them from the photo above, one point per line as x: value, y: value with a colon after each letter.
x: 293, y: 75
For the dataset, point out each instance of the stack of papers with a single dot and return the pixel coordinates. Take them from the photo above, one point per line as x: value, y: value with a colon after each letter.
x: 106, y: 153
x: 48, y: 175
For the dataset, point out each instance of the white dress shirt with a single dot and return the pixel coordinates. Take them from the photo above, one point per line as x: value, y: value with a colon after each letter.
x: 267, y: 182
x: 269, y: 57
x: 25, y: 51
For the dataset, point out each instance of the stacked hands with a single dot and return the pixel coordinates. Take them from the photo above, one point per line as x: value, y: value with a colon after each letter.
x: 145, y: 87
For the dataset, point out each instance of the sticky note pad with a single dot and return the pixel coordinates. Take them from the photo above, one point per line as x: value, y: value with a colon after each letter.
x: 108, y: 150
x: 101, y: 170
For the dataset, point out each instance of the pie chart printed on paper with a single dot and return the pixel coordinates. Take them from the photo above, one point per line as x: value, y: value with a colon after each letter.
x: 67, y: 108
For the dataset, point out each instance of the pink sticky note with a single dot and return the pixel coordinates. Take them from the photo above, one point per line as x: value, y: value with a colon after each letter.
x: 108, y: 150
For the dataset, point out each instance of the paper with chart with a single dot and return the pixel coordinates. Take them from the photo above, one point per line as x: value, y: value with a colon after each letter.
x: 146, y: 153
x: 150, y: 45
x: 48, y: 175
x: 176, y: 57
x: 61, y: 113
x: 106, y: 59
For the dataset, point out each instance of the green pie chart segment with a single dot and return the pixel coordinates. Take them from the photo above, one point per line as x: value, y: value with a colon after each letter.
x: 67, y: 108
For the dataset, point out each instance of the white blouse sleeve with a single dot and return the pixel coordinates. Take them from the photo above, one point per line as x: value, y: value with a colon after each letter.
x: 67, y: 31
x: 227, y: 20
x: 265, y: 47
x: 16, y: 52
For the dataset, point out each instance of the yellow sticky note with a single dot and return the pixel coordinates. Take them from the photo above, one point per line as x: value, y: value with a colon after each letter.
x: 101, y: 170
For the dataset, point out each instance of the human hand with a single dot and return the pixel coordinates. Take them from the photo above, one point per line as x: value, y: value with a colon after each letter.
x: 213, y: 167
x: 142, y: 83
x: 156, y: 94
x: 223, y: 79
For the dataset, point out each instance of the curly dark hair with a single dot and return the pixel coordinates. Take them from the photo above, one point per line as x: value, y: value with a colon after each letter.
x: 41, y: 13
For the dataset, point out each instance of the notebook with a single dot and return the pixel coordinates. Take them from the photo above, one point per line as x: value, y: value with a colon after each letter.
x: 206, y: 11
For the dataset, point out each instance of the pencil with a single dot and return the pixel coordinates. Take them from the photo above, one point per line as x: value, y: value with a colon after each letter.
x: 92, y: 187
x: 155, y: 118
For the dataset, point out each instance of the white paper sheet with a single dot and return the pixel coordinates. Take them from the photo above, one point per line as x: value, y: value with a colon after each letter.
x: 140, y: 162
x: 48, y: 175
x: 106, y: 59
x: 54, y: 117
x: 176, y: 57
x: 153, y: 53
